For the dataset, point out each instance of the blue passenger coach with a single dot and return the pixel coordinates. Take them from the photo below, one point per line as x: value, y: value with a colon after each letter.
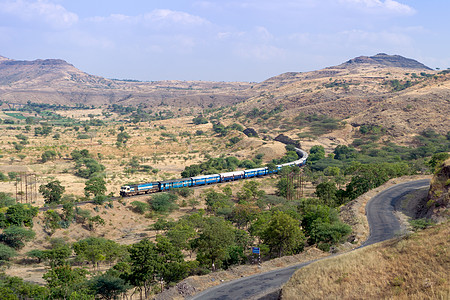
x: 160, y: 186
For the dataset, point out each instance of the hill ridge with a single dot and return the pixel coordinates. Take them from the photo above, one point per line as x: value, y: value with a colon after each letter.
x: 387, y: 60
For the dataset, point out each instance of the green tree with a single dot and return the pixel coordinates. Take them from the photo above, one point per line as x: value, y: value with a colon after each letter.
x: 164, y: 202
x: 95, y: 221
x: 215, y: 200
x: 250, y: 191
x: 193, y: 203
x: 36, y: 253
x: 437, y: 159
x: 328, y: 234
x: 16, y: 237
x: 283, y: 234
x: 365, y: 178
x: 29, y: 120
x: 78, y: 154
x: 51, y: 221
x: 52, y: 191
x: 44, y: 130
x: 171, y: 266
x: 21, y: 214
x: 68, y: 211
x: 122, y: 139
x: 6, y: 199
x: 95, y: 186
x: 270, y: 201
x: 342, y: 152
x: 216, y: 235
x: 48, y: 155
x: 96, y: 250
x: 108, y: 286
x: 327, y: 192
x: 199, y: 120
x: 65, y: 282
x: 243, y: 214
x: 6, y: 253
x: 88, y: 167
x: 143, y: 262
x: 58, y: 255
x: 181, y: 235
x: 316, y: 152
x: 283, y: 188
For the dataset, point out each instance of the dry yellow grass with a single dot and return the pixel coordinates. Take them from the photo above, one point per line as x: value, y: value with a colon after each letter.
x: 151, y: 143
x: 412, y: 267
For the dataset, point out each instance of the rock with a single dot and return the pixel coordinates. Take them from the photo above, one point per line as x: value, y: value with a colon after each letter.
x: 185, y: 289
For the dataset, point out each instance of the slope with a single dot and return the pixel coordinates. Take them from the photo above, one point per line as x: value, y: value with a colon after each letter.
x: 58, y: 82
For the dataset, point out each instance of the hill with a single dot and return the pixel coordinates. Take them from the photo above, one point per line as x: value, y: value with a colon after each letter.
x: 57, y: 82
x: 399, y: 94
x: 384, y: 59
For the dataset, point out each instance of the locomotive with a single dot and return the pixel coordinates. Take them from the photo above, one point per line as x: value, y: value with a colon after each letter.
x: 162, y: 186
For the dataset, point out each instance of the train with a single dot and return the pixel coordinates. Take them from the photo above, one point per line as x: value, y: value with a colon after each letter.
x: 166, y: 185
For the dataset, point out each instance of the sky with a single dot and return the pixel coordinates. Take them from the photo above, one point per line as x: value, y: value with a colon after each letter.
x: 220, y: 40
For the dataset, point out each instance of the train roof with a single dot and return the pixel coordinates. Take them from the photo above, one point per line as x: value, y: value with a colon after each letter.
x: 175, y: 180
x: 142, y: 184
x: 256, y: 169
x: 204, y: 176
x: 232, y: 173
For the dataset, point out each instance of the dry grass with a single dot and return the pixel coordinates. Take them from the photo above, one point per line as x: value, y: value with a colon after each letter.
x: 151, y: 143
x: 411, y: 267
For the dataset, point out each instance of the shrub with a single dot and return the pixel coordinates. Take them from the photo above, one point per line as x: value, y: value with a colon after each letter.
x: 6, y: 199
x: 164, y: 202
x: 420, y: 224
x: 16, y: 237
x: 6, y: 253
x: 184, y: 192
x: 48, y: 155
x: 140, y: 207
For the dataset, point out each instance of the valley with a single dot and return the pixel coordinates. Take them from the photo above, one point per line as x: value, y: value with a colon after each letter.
x: 68, y: 136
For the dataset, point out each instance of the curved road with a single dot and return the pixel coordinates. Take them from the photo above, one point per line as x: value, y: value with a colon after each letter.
x: 383, y: 226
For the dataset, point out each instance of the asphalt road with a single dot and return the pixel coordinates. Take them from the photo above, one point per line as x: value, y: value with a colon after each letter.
x: 383, y: 226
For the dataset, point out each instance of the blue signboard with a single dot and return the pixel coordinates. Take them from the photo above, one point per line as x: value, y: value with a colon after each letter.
x: 255, y: 250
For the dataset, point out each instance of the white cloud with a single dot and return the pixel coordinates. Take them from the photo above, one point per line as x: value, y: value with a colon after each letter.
x: 177, y: 17
x: 379, y: 6
x: 258, y: 52
x: 157, y: 17
x: 42, y: 10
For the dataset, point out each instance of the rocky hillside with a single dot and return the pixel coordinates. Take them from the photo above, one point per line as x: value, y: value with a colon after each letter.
x: 437, y: 205
x: 58, y: 82
x: 383, y: 59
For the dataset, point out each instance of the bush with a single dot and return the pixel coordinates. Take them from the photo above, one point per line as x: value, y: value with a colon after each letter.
x: 3, y: 177
x: 164, y: 202
x: 420, y: 224
x: 16, y: 237
x: 200, y: 120
x: 100, y: 199
x: 48, y: 155
x: 140, y: 207
x: 184, y: 192
x: 6, y: 199
x: 6, y: 253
